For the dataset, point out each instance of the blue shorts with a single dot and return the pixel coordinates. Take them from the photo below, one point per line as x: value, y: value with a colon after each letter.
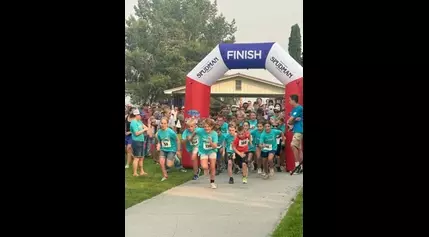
x: 128, y: 140
x: 169, y: 155
x: 138, y: 149
x: 264, y: 154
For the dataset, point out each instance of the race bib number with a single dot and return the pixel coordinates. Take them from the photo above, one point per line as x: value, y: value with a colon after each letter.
x: 243, y: 142
x: 268, y: 147
x: 207, y: 146
x: 166, y: 143
x: 194, y: 141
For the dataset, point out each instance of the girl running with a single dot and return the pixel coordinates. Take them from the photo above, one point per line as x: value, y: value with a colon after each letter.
x: 253, y: 122
x: 220, y: 150
x: 137, y: 129
x: 229, y: 139
x: 256, y: 135
x: 246, y: 126
x: 168, y: 145
x: 241, y: 149
x: 207, y: 149
x: 191, y: 139
x: 268, y: 146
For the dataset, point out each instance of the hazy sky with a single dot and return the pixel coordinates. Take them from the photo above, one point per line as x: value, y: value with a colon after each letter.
x: 257, y: 21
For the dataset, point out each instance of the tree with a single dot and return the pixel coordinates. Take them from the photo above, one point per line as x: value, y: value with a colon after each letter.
x: 165, y: 40
x: 295, y: 43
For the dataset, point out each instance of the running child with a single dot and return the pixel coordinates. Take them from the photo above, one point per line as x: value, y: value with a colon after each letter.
x: 220, y: 150
x: 256, y: 136
x: 168, y: 146
x: 207, y: 149
x: 250, y: 155
x: 241, y: 149
x: 191, y: 140
x: 268, y: 146
x: 229, y: 139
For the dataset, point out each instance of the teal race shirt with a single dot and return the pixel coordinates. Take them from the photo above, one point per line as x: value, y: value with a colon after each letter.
x: 204, y: 145
x: 135, y: 126
x: 190, y: 144
x: 224, y: 128
x: 221, y: 140
x: 297, y: 112
x: 269, y: 140
x: 228, y: 142
x: 256, y: 137
x: 168, y: 140
x: 253, y: 124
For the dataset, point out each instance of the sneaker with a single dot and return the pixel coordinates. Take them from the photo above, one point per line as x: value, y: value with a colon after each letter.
x: 271, y: 174
x: 213, y: 185
x: 163, y: 179
x: 231, y: 180
x: 183, y: 170
x: 127, y: 166
x: 259, y: 171
x: 244, y: 180
x: 265, y: 176
x: 195, y: 177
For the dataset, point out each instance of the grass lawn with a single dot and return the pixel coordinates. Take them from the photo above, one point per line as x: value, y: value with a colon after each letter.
x: 291, y: 225
x: 138, y: 189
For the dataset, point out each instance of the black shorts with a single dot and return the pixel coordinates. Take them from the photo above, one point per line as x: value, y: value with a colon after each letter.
x: 280, y: 148
x: 240, y: 160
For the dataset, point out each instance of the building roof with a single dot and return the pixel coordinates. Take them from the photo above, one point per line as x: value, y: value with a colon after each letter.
x: 228, y: 77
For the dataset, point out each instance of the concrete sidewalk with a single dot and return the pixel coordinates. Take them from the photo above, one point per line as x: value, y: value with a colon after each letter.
x: 194, y: 210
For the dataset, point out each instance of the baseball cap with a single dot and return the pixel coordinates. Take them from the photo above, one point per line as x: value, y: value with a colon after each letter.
x: 136, y: 112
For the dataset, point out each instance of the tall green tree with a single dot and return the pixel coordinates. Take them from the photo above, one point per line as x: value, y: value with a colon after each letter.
x: 295, y: 43
x: 165, y: 40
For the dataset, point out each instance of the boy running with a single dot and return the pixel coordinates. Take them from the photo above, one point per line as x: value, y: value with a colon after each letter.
x: 241, y: 149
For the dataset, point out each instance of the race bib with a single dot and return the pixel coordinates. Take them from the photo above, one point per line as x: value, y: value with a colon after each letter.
x: 207, y: 146
x: 268, y: 147
x: 243, y: 142
x: 166, y: 143
x: 194, y: 141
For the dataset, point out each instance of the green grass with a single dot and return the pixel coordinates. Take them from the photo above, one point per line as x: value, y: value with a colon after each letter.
x: 291, y: 224
x: 138, y: 189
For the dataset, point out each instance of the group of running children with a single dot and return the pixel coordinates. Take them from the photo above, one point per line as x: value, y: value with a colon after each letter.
x: 241, y: 145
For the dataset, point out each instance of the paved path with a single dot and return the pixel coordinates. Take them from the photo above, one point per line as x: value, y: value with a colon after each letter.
x: 194, y: 210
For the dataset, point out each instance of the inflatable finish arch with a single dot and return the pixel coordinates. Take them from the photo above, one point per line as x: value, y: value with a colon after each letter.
x: 223, y: 57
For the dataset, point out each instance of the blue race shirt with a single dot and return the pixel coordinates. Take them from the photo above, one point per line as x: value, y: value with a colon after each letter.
x: 190, y: 144
x: 297, y: 112
x: 204, y: 146
x: 168, y: 140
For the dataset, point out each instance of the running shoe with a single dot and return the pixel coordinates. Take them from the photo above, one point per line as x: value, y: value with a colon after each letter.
x: 271, y: 174
x: 163, y: 179
x: 195, y: 177
x: 127, y: 166
x: 244, y: 180
x: 259, y: 171
x: 213, y: 185
x: 231, y: 180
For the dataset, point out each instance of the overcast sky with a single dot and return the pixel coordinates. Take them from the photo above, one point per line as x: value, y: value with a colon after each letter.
x: 257, y: 21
